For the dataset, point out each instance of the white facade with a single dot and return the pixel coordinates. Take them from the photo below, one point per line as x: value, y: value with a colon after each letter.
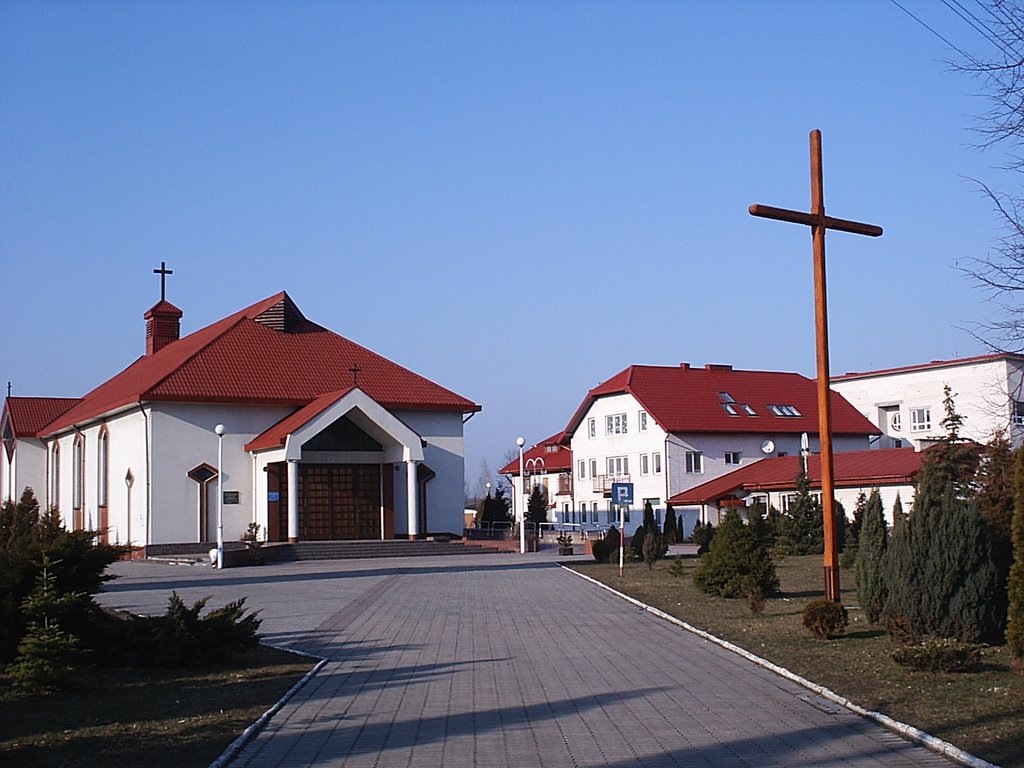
x: 157, y: 445
x: 618, y: 441
x: 906, y: 404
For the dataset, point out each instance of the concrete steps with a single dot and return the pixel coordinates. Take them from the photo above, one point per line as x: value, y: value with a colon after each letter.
x: 350, y: 550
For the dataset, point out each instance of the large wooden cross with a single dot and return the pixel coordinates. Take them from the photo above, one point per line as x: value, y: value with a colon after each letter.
x: 819, y: 222
x: 163, y: 272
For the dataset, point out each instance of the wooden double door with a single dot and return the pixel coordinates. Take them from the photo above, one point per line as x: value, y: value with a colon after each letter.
x: 336, y: 502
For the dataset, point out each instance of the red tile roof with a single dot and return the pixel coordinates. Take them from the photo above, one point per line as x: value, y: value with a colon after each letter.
x: 684, y: 399
x: 244, y: 358
x: 276, y: 434
x: 896, y: 466
x: 555, y: 457
x: 30, y: 414
x: 934, y: 364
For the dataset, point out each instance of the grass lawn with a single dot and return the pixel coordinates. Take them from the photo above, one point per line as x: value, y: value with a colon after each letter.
x: 980, y: 711
x: 158, y: 718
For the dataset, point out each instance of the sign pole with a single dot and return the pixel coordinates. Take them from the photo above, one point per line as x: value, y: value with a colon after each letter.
x: 622, y: 538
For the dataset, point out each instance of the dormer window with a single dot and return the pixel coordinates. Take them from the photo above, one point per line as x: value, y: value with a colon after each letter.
x: 727, y: 407
x: 748, y: 410
x: 726, y: 397
x: 786, y: 411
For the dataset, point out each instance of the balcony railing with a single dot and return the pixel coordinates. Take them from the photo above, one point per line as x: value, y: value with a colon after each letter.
x: 603, y: 483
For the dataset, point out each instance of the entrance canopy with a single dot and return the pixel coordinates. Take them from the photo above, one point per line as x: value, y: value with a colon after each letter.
x: 285, y: 440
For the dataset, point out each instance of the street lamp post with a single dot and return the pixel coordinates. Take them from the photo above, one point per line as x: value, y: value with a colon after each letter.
x: 129, y: 481
x: 219, y: 429
x: 522, y: 499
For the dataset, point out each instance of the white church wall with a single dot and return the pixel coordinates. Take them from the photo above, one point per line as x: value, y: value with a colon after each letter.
x: 28, y: 469
x: 444, y: 453
x: 183, y: 438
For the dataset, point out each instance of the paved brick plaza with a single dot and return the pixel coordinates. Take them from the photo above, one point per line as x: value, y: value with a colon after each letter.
x: 507, y: 660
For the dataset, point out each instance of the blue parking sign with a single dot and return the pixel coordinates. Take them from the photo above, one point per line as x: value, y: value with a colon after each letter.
x: 622, y: 493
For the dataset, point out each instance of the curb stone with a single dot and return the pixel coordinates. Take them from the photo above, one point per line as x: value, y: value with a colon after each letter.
x: 249, y: 733
x: 908, y: 732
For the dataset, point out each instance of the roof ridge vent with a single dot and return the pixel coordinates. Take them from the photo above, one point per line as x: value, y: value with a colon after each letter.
x: 717, y: 367
x: 283, y: 316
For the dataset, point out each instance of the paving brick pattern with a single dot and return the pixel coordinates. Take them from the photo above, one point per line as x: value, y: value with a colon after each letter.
x: 506, y: 660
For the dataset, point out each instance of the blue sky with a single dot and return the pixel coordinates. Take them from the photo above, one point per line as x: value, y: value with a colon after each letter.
x: 514, y: 199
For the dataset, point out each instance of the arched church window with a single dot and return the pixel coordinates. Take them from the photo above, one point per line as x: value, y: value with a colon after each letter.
x: 103, y: 466
x: 78, y: 481
x: 55, y: 475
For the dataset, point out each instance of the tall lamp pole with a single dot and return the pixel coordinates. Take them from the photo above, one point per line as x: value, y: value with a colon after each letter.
x: 219, y: 429
x: 522, y: 499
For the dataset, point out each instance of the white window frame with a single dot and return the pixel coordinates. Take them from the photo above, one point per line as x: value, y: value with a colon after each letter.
x: 642, y: 421
x: 591, y: 427
x: 920, y: 419
x: 656, y: 461
x: 618, y: 466
x: 616, y: 424
x: 694, y: 462
x: 645, y: 464
x: 582, y: 465
x: 1017, y: 411
x: 733, y: 457
x: 593, y: 467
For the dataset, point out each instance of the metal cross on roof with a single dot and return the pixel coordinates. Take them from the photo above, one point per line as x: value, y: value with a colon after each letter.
x: 819, y: 222
x: 355, y: 372
x: 163, y: 272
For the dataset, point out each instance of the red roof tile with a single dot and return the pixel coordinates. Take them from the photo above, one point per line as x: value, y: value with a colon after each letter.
x: 555, y: 457
x: 683, y: 399
x: 28, y: 415
x: 242, y: 360
x: 276, y: 434
x: 851, y: 469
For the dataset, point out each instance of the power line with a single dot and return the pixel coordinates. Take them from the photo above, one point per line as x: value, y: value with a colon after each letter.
x: 981, y: 28
x: 933, y: 31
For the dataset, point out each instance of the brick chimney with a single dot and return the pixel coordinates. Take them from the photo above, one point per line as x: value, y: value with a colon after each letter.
x: 163, y: 325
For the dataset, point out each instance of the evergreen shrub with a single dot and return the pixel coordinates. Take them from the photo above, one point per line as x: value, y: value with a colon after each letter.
x: 737, y: 562
x: 603, y: 548
x: 702, y: 535
x: 825, y: 619
x: 185, y: 638
x: 872, y: 542
x: 935, y: 655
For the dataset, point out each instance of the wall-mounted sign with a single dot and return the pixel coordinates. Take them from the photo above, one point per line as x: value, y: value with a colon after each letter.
x: 230, y: 497
x: 273, y: 495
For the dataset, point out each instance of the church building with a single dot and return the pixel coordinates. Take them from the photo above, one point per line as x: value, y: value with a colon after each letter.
x: 302, y: 431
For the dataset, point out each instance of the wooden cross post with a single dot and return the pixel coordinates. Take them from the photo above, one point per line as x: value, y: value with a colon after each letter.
x: 819, y: 222
x: 355, y: 369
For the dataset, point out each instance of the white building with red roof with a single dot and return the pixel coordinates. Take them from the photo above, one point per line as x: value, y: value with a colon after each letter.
x: 549, y: 465
x: 771, y: 482
x: 906, y: 403
x: 323, y: 439
x: 666, y: 429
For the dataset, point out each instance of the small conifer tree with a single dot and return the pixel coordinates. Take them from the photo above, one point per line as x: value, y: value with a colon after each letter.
x: 46, y: 654
x: 800, y: 530
x: 1015, y: 581
x: 737, y: 564
x: 939, y: 573
x: 670, y: 531
x: 537, y: 506
x: 873, y: 541
x: 996, y: 505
